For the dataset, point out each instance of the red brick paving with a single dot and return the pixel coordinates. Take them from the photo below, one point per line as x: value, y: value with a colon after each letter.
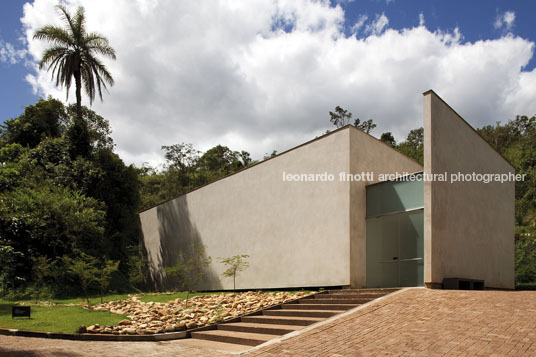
x: 416, y: 322
x: 422, y: 322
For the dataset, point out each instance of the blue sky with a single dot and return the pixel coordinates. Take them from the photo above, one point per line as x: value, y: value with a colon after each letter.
x: 226, y: 73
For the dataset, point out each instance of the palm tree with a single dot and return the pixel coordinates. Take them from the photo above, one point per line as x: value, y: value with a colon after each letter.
x: 73, y: 55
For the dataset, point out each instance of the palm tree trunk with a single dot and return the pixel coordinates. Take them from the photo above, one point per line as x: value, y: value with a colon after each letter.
x: 78, y: 83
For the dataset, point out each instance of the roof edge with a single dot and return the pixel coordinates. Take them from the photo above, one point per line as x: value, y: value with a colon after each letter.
x: 431, y: 91
x: 255, y: 164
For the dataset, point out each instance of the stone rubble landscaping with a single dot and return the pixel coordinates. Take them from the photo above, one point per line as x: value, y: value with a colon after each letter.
x: 179, y: 315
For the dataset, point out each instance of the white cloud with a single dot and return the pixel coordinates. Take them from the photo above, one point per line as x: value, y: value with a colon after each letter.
x: 9, y: 54
x: 505, y: 20
x: 359, y: 23
x: 259, y: 76
x: 377, y: 26
x: 421, y: 19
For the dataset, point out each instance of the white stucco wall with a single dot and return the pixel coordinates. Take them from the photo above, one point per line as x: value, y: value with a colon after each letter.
x: 296, y: 233
x: 469, y: 226
x: 368, y: 154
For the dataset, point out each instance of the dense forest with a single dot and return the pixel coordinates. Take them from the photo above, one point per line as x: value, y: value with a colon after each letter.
x: 69, y: 203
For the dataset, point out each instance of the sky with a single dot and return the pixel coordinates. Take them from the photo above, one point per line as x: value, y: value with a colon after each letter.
x: 263, y: 75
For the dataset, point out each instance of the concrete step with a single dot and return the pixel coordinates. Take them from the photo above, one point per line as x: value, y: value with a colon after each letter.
x: 363, y: 299
x: 318, y: 306
x: 301, y: 313
x: 364, y: 291
x: 240, y: 338
x: 211, y: 345
x: 268, y: 329
x: 350, y: 300
x: 282, y: 320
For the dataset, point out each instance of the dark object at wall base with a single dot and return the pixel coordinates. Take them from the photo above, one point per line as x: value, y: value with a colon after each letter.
x: 463, y: 284
x: 20, y: 311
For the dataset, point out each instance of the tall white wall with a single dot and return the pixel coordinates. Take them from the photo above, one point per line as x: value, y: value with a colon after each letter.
x: 296, y: 233
x: 469, y: 226
x: 368, y: 154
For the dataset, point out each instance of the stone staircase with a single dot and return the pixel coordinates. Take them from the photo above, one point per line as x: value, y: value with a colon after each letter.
x: 279, y: 320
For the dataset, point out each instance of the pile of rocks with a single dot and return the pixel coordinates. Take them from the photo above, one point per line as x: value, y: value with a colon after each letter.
x: 179, y: 315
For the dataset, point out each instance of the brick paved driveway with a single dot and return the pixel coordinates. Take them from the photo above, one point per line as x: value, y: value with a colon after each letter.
x: 417, y: 322
x: 422, y: 322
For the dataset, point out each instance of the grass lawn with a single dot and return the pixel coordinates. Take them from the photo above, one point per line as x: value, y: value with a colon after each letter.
x: 69, y: 318
x: 56, y: 318
x: 526, y: 286
x: 93, y: 299
x: 165, y: 297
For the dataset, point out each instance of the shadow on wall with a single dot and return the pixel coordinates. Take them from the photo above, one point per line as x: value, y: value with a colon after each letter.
x: 180, y: 242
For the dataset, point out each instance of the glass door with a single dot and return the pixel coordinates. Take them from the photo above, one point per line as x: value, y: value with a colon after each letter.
x: 395, y: 250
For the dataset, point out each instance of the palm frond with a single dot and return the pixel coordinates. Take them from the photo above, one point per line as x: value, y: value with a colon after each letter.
x: 54, y: 34
x: 73, y: 55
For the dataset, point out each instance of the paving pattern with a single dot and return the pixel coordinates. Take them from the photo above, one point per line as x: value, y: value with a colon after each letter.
x: 416, y: 322
x: 422, y: 322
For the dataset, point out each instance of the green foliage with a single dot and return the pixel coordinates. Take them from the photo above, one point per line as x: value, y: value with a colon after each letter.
x: 413, y: 147
x: 73, y: 55
x: 39, y: 121
x: 43, y: 268
x: 189, y: 269
x: 104, y: 276
x: 235, y: 264
x: 50, y: 220
x: 78, y: 138
x: 10, y: 263
x: 367, y: 126
x: 388, y: 138
x: 84, y: 268
x: 117, y: 188
x: 516, y: 141
x: 187, y: 169
x: 54, y: 201
x: 57, y: 318
x: 98, y: 128
x: 341, y: 117
x: 525, y: 260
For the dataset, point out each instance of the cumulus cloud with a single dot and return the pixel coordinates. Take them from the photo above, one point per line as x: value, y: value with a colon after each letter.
x: 359, y: 23
x: 377, y: 26
x: 10, y: 54
x: 505, y: 21
x: 260, y: 76
x: 421, y: 19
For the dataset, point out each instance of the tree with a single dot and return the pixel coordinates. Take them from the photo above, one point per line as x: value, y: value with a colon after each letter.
x: 235, y: 265
x: 340, y: 117
x: 10, y: 262
x: 366, y: 126
x: 83, y: 267
x: 105, y: 276
x: 218, y: 162
x: 40, y: 120
x: 388, y: 139
x: 50, y: 221
x: 268, y: 156
x: 413, y: 147
x: 73, y: 54
x: 190, y: 268
x: 181, y: 156
x: 42, y: 269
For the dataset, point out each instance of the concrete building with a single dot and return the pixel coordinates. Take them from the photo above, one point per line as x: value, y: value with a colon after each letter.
x: 304, y: 222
